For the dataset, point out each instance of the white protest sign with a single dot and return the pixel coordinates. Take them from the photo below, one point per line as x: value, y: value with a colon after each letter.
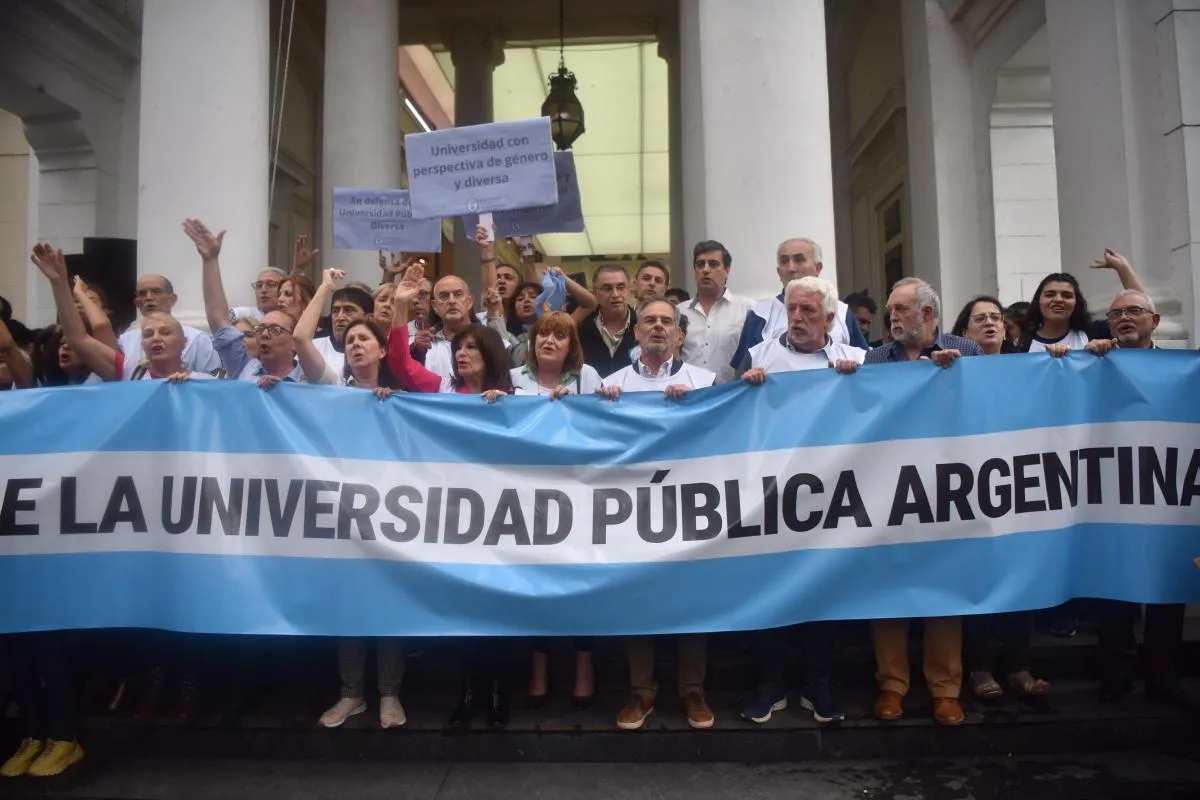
x: 565, y: 216
x: 381, y: 219
x: 495, y: 167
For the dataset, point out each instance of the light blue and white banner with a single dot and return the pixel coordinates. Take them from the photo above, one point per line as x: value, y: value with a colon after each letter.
x: 381, y: 219
x: 494, y: 167
x: 1002, y: 483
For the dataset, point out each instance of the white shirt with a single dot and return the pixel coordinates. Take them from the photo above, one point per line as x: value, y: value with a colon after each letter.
x: 774, y: 355
x: 1074, y: 340
x: 586, y: 382
x: 198, y: 352
x: 638, y: 377
x: 774, y: 313
x: 712, y: 338
x: 237, y: 312
x: 333, y: 358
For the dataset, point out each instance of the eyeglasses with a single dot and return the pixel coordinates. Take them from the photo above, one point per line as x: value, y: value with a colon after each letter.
x: 267, y: 331
x: 1133, y: 312
x: 979, y: 319
x: 256, y: 285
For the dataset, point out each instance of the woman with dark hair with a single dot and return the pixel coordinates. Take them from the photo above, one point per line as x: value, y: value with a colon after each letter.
x: 365, y: 368
x: 982, y: 321
x: 1058, y: 317
x: 1016, y: 316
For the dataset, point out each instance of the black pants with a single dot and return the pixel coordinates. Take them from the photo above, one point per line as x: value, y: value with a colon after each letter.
x: 1162, y: 641
x: 1014, y: 630
x: 770, y: 647
x: 42, y: 685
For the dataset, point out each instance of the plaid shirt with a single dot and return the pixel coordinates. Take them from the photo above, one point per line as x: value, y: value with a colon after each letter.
x: 941, y: 341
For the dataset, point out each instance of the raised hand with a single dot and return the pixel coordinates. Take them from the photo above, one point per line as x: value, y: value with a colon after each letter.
x: 332, y: 278
x: 493, y: 302
x: 79, y: 287
x: 207, y: 244
x: 50, y: 261
x: 1111, y: 260
x: 301, y: 255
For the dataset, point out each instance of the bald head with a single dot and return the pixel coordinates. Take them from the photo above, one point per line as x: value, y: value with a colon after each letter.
x: 453, y: 302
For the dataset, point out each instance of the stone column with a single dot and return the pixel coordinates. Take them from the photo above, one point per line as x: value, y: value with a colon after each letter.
x: 1112, y: 119
x: 1178, y: 35
x: 205, y: 99
x: 756, y: 145
x: 668, y: 50
x: 362, y: 138
x: 942, y: 160
x: 476, y: 52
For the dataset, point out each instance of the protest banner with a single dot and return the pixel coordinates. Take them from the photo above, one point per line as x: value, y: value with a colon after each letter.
x: 565, y: 216
x: 381, y: 219
x: 494, y: 167
x: 816, y: 496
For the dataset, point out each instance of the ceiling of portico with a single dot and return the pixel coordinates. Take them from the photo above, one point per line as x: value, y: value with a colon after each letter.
x: 621, y: 160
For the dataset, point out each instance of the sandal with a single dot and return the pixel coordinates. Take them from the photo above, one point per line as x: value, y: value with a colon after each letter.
x: 1026, y: 685
x: 984, y: 686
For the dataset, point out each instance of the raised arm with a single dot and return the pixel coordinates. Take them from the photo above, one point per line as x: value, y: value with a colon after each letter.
x: 487, y: 257
x: 101, y: 325
x: 99, y: 357
x: 311, y: 361
x: 585, y: 301
x: 20, y: 368
x: 408, y: 370
x: 208, y: 245
x: 1120, y: 265
x: 301, y: 255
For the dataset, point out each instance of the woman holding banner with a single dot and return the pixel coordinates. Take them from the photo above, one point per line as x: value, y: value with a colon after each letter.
x: 554, y: 364
x: 366, y: 368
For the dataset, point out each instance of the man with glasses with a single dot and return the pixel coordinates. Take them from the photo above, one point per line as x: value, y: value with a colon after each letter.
x: 1133, y: 319
x: 276, y: 351
x: 453, y: 303
x: 607, y: 336
x: 715, y: 315
x: 266, y: 295
x: 155, y: 294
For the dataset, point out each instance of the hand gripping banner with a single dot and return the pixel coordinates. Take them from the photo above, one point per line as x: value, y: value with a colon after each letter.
x: 1003, y: 483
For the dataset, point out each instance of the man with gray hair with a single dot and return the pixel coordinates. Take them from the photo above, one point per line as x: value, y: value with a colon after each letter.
x: 914, y: 309
x: 154, y: 293
x: 795, y: 258
x: 806, y: 344
x: 266, y: 295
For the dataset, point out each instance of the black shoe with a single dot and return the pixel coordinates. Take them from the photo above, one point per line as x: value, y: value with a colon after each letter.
x: 468, y: 703
x: 584, y: 703
x: 499, y: 706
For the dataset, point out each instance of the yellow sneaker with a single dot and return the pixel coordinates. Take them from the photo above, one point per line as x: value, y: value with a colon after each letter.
x: 55, y: 759
x: 18, y: 765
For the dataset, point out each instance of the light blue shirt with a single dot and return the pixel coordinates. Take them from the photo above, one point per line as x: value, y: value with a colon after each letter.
x: 231, y: 347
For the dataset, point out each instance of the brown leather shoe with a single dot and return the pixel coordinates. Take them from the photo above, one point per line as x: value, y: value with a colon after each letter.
x: 699, y: 715
x: 947, y: 711
x: 633, y: 715
x: 889, y: 705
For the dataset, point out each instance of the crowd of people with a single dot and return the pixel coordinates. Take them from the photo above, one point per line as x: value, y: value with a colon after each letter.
x: 538, y: 332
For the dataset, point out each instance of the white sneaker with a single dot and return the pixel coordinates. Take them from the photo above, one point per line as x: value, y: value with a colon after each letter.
x: 391, y: 713
x: 343, y: 710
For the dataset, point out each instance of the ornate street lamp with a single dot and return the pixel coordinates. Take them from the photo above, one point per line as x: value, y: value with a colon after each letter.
x: 561, y: 105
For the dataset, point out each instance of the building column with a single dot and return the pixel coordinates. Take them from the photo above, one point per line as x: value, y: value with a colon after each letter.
x: 476, y: 51
x: 668, y: 50
x: 205, y: 99
x: 362, y: 140
x: 757, y: 165
x: 942, y: 160
x: 1108, y: 111
x: 1178, y: 35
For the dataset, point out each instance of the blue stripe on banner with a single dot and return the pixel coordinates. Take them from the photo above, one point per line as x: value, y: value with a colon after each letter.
x: 270, y: 595
x: 880, y: 403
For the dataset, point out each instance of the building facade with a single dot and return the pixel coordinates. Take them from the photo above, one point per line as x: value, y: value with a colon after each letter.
x: 978, y: 144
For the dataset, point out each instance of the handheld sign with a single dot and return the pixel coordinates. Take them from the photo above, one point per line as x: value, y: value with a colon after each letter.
x: 494, y: 167
x: 565, y: 216
x: 381, y: 219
